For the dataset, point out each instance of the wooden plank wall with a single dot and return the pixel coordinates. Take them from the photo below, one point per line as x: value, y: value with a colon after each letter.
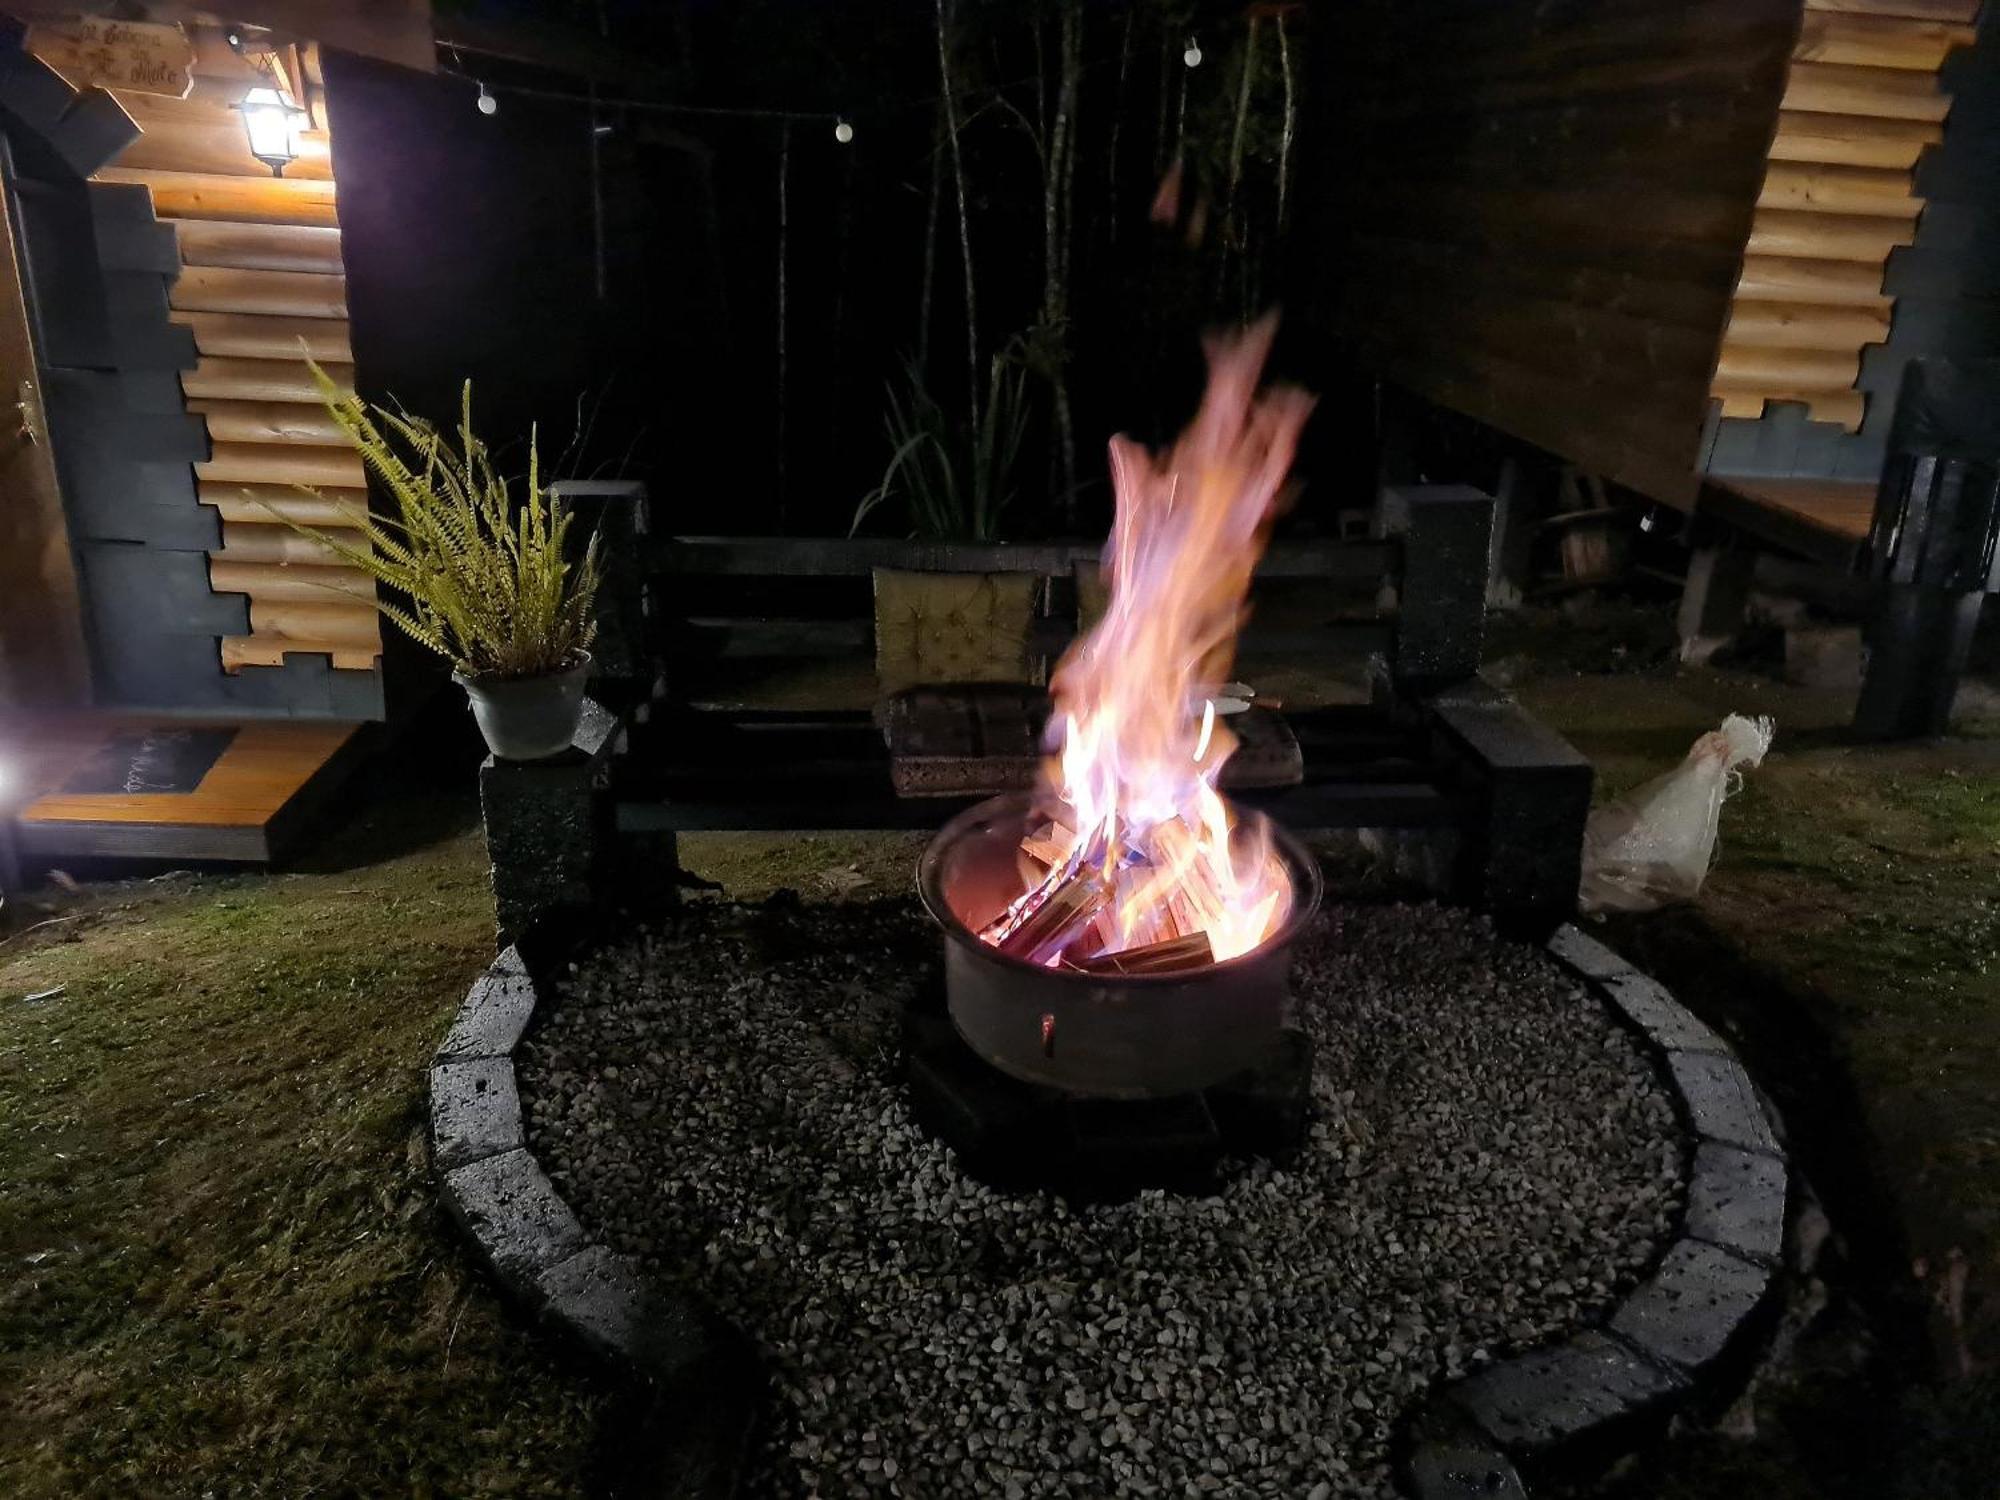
x: 1534, y: 214
x: 1862, y: 102
x: 261, y: 280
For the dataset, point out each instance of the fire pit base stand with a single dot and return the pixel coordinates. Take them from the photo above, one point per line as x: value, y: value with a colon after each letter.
x: 1015, y: 1135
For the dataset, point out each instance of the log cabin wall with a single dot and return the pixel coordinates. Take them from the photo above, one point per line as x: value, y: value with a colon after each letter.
x: 1535, y: 215
x: 260, y: 285
x: 1874, y: 238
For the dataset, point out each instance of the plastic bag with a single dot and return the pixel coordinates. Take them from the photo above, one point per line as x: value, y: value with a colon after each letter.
x: 1653, y: 846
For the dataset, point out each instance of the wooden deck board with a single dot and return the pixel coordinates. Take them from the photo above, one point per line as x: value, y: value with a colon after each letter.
x: 1826, y: 519
x: 255, y: 790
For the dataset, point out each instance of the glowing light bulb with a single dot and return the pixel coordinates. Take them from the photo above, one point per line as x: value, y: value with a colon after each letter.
x: 843, y: 132
x: 487, y: 104
x: 1192, y: 57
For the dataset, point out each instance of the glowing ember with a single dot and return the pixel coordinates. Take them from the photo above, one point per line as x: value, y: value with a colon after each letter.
x: 1139, y: 868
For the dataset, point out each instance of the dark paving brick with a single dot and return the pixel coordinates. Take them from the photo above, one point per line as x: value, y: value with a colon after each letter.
x: 475, y: 1110
x: 514, y: 1215
x: 1693, y: 1305
x: 495, y: 1012
x: 1721, y: 1103
x: 605, y: 1299
x: 1664, y: 1019
x: 1736, y: 1198
x: 1462, y: 1470
x: 1547, y: 1395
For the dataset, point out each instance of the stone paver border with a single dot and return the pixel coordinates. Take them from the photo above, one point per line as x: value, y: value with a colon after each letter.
x: 1654, y: 1351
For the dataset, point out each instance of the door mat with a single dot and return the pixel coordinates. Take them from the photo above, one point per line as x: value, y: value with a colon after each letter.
x: 150, y: 760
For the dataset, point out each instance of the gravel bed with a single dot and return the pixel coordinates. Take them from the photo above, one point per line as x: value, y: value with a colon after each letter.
x: 1492, y: 1160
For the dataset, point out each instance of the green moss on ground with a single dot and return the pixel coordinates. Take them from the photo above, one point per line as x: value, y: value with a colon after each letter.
x: 227, y: 1273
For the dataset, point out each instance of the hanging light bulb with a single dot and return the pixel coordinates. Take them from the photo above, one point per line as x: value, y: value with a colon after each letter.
x: 843, y: 132
x: 274, y: 124
x: 1192, y: 57
x: 486, y: 103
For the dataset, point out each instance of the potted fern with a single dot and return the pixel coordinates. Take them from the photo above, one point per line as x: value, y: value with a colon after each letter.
x: 484, y: 582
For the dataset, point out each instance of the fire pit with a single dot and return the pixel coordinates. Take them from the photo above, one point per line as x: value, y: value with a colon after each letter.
x: 1100, y: 1031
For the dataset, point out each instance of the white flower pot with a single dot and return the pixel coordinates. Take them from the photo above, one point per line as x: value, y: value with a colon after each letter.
x: 528, y: 718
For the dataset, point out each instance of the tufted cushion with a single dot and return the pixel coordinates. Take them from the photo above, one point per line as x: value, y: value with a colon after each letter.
x: 954, y: 627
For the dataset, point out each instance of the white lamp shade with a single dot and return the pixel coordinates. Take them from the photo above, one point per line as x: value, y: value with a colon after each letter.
x: 274, y: 124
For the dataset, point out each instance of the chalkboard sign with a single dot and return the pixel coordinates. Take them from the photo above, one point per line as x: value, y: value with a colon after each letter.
x: 163, y: 759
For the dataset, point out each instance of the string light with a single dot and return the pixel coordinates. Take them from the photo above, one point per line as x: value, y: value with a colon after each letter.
x: 843, y: 132
x: 487, y: 104
x: 1192, y: 57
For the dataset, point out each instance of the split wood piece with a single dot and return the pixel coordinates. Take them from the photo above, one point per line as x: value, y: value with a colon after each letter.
x: 1852, y: 140
x: 1189, y: 952
x: 1070, y: 907
x: 260, y: 247
x: 1049, y: 845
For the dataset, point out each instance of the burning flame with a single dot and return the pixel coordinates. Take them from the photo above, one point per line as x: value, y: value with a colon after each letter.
x: 1141, y: 868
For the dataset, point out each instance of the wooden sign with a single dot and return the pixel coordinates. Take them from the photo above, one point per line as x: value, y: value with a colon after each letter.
x: 140, y: 56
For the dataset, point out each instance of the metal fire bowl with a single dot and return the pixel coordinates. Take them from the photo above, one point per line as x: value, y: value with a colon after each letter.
x: 1143, y: 1036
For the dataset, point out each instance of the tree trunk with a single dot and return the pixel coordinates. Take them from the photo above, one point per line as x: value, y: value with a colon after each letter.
x: 964, y: 215
x: 784, y: 231
x: 930, y: 249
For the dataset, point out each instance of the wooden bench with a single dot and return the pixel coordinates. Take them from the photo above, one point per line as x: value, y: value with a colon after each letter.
x: 1417, y: 757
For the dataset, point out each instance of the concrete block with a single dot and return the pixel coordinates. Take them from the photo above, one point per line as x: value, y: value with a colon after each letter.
x: 495, y: 1013
x: 1546, y: 1396
x: 607, y: 1301
x: 1665, y: 1021
x: 1721, y: 1103
x: 1585, y: 954
x: 513, y: 1213
x: 475, y: 1111
x: 546, y: 832
x: 1824, y: 656
x: 1736, y: 1199
x: 1693, y: 1306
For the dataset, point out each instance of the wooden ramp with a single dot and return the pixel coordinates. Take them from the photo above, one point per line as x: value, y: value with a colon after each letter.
x: 145, y: 787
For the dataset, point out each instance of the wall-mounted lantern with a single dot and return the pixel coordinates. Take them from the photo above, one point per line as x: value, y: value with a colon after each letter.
x: 273, y: 123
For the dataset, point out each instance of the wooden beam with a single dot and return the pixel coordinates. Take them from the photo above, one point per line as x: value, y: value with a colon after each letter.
x: 231, y: 289
x: 255, y: 503
x: 1785, y: 325
x: 269, y: 422
x: 222, y: 378
x: 1830, y: 283
x: 340, y: 624
x: 1878, y: 41
x: 272, y: 542
x: 1840, y: 89
x: 275, y: 463
x: 1818, y: 236
x: 289, y: 581
x: 1922, y: 10
x: 1756, y: 368
x: 1852, y: 140
x: 1874, y: 191
x: 253, y: 336
x: 1845, y: 407
x: 240, y: 651
x: 262, y: 247
x: 221, y: 147
x: 242, y: 200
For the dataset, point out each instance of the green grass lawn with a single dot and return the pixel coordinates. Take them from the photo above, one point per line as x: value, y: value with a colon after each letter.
x: 226, y: 1271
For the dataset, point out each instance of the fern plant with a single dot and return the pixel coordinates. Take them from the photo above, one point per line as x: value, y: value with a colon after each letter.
x: 955, y: 483
x: 480, y: 580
